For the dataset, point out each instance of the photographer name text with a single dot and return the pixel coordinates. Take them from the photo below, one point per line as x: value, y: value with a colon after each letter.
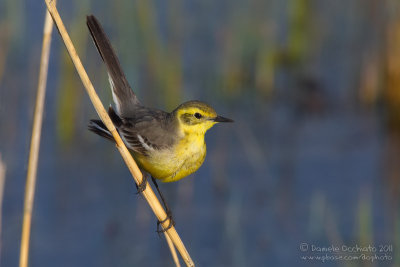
x: 355, y: 248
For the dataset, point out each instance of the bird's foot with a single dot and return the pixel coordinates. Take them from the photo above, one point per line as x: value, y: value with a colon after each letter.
x: 142, y: 186
x: 171, y: 223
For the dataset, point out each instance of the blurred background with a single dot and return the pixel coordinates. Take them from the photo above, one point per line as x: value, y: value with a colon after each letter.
x: 313, y: 156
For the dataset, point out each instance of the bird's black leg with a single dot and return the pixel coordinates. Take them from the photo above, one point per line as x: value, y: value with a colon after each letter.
x: 168, y: 211
x: 142, y: 186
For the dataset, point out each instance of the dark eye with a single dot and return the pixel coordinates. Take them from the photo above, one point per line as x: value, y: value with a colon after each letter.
x: 197, y: 115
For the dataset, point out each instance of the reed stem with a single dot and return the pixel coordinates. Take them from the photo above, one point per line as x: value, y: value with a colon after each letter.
x: 148, y: 193
x: 2, y: 183
x: 35, y: 143
x: 173, y: 251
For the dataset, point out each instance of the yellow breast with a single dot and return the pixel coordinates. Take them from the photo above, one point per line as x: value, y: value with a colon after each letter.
x: 176, y: 162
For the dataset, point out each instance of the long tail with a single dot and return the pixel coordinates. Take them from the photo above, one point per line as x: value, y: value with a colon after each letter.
x: 124, y: 97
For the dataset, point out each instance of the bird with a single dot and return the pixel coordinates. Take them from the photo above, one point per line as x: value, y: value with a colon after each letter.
x: 168, y: 146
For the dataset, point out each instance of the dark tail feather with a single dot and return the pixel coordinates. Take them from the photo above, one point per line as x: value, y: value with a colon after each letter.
x: 114, y: 117
x: 98, y: 127
x: 120, y: 85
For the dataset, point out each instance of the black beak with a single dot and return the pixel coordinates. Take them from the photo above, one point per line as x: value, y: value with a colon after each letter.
x: 222, y: 119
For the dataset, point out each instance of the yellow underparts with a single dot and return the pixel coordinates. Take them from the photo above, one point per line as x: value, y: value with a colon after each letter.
x: 177, y: 162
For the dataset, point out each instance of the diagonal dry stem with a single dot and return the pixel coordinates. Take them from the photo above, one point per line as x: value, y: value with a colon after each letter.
x: 35, y: 142
x: 2, y: 182
x: 173, y: 251
x: 148, y: 193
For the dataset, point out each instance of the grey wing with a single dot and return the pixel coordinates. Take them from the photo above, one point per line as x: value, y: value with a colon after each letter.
x: 148, y: 132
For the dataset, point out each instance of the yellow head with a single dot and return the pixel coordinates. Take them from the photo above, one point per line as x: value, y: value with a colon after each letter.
x: 197, y: 117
